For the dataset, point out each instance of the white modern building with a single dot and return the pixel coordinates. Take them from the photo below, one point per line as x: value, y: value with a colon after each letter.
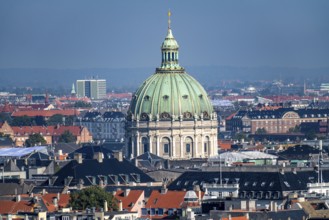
x: 91, y: 88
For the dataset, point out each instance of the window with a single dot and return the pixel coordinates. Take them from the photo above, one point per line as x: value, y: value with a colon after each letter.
x: 144, y: 211
x: 166, y: 148
x: 188, y: 148
x: 205, y: 146
x: 166, y: 145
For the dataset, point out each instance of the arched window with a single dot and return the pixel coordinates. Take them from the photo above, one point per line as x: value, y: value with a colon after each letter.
x: 168, y: 56
x: 173, y: 56
x: 188, y: 145
x: 166, y: 145
x: 163, y: 57
x: 145, y: 144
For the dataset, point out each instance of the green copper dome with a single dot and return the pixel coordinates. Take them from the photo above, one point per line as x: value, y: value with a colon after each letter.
x: 170, y: 93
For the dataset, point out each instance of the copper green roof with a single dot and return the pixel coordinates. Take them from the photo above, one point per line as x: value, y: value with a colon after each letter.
x: 170, y: 93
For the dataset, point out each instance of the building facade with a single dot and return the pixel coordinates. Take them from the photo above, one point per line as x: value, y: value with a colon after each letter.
x: 109, y: 126
x: 91, y: 88
x: 274, y: 121
x: 170, y: 114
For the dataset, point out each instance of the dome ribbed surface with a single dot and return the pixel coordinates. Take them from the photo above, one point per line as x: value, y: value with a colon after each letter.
x: 172, y: 93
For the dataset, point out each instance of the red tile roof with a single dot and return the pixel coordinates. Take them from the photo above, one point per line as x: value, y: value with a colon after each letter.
x: 44, y: 130
x: 48, y: 199
x: 11, y: 207
x: 128, y: 201
x: 46, y: 113
x: 171, y: 199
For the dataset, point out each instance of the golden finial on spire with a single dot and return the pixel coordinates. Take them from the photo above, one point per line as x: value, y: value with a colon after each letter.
x: 169, y: 14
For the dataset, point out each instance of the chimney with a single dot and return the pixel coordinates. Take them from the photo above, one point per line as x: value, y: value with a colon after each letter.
x: 229, y: 217
x: 118, y: 155
x: 281, y: 170
x: 105, y: 206
x: 99, y: 157
x: 58, y: 196
x: 198, y: 192
x: 247, y: 215
x: 18, y: 198
x: 126, y: 192
x: 120, y: 206
x: 164, y: 189
x: 294, y: 170
x: 78, y: 157
x: 55, y: 202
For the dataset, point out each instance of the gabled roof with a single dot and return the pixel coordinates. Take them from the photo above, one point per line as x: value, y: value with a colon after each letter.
x: 11, y: 166
x: 11, y: 207
x: 48, y: 200
x: 170, y: 199
x: 128, y: 200
x: 91, y: 170
x: 14, y: 188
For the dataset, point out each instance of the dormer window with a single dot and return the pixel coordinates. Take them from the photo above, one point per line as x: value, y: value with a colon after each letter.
x: 185, y: 96
x: 165, y: 97
x: 147, y: 98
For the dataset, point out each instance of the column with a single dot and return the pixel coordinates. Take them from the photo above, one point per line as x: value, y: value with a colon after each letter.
x: 173, y: 146
x: 181, y: 147
x: 158, y: 146
x: 137, y: 145
x: 195, y: 145
x: 150, y: 142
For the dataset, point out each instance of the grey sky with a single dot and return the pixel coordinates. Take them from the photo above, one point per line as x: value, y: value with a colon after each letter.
x: 115, y: 34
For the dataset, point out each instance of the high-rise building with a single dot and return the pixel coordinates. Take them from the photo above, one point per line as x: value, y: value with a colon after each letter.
x: 170, y: 114
x: 91, y: 88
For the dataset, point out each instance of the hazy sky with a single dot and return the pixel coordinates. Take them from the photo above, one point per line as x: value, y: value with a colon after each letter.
x: 115, y: 34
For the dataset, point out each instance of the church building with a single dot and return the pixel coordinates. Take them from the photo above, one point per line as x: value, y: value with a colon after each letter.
x: 170, y: 114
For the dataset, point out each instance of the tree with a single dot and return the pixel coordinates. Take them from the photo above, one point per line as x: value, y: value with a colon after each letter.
x: 92, y: 197
x: 82, y: 104
x: 22, y: 121
x: 5, y: 117
x: 55, y: 120
x: 294, y: 129
x: 261, y: 131
x: 239, y: 136
x: 67, y: 137
x: 35, y: 139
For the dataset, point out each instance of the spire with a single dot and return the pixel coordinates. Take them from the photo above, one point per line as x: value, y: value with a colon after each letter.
x: 169, y: 49
x: 73, y: 93
x: 169, y: 14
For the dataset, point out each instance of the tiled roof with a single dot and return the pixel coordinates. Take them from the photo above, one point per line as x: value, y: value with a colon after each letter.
x: 129, y: 200
x: 91, y: 171
x: 46, y: 130
x: 46, y: 113
x: 11, y: 207
x: 48, y: 199
x: 88, y: 151
x: 251, y: 181
x: 170, y: 199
